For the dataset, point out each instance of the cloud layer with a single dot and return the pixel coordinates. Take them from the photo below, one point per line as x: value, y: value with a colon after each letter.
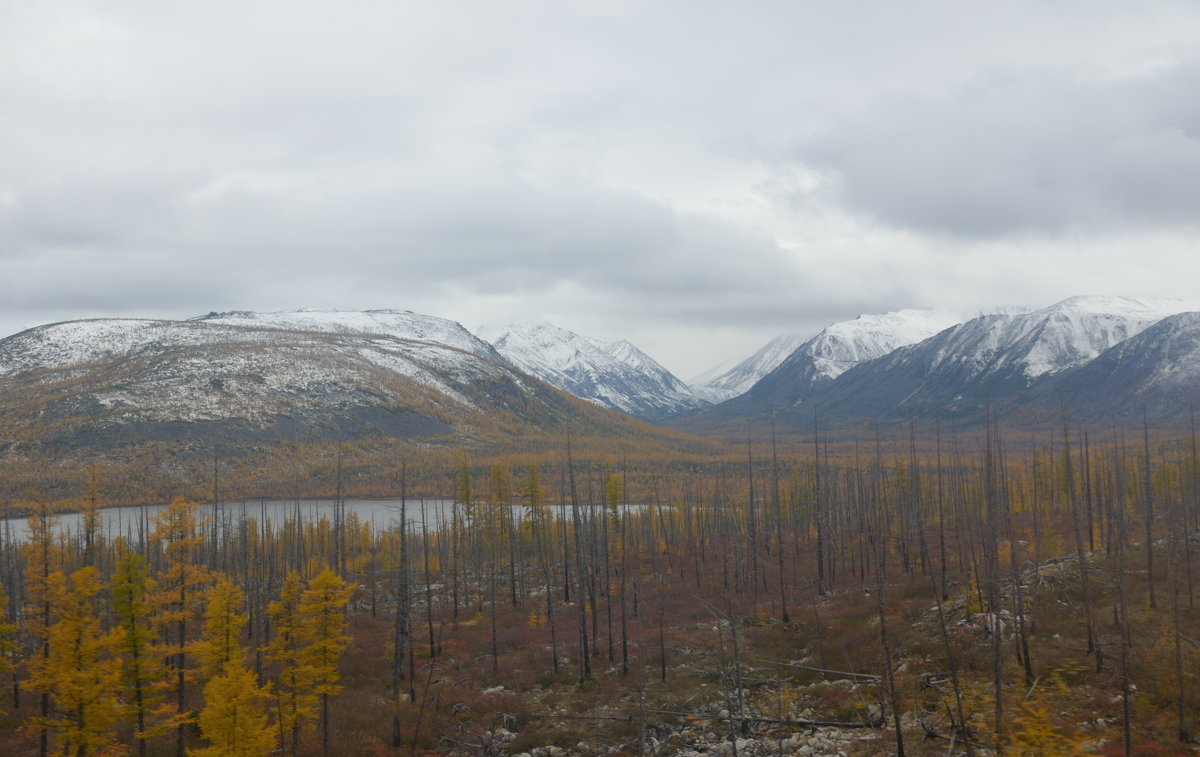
x: 1022, y: 154
x: 695, y: 176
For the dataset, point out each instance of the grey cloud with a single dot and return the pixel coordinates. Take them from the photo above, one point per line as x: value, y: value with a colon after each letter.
x: 1027, y: 152
x: 359, y: 240
x: 595, y: 162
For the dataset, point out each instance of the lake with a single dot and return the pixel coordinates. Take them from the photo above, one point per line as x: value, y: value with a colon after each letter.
x: 381, y: 513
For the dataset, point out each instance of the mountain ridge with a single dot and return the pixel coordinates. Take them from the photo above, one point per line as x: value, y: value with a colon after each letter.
x: 990, y: 358
x: 250, y: 377
x: 240, y: 378
x: 830, y: 353
x: 616, y: 375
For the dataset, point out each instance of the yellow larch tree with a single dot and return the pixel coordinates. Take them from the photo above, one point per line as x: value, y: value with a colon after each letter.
x: 224, y: 620
x: 8, y: 637
x: 90, y: 517
x: 82, y: 673
x: 234, y: 719
x: 141, y: 668
x: 295, y: 702
x: 323, y: 636
x: 176, y: 594
x: 43, y: 557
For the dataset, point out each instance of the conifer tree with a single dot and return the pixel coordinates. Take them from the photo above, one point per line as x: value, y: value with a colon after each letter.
x: 177, y: 593
x: 8, y: 635
x: 90, y: 520
x: 223, y: 624
x: 322, y: 631
x: 234, y: 719
x: 295, y: 701
x: 43, y: 557
x: 141, y: 668
x: 82, y: 674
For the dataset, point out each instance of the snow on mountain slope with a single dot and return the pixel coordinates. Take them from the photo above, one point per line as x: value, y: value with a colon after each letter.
x: 720, y: 382
x: 838, y: 348
x: 402, y: 324
x: 1044, y: 341
x: 992, y: 357
x: 337, y: 375
x: 1155, y: 372
x: 616, y: 375
x: 72, y: 343
x: 844, y: 344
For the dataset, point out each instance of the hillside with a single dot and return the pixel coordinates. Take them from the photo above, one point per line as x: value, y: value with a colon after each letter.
x: 243, y: 378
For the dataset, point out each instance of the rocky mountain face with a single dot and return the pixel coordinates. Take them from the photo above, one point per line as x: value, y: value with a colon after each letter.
x: 720, y: 382
x: 990, y: 359
x: 242, y: 377
x: 1097, y: 356
x: 826, y: 356
x: 615, y: 375
x: 1154, y: 374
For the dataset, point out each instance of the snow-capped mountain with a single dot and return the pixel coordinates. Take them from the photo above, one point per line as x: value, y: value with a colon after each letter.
x: 401, y: 324
x: 1155, y: 372
x: 247, y: 376
x: 76, y: 342
x: 616, y: 375
x: 721, y: 382
x: 836, y: 349
x: 991, y: 357
x: 319, y: 374
x: 845, y: 344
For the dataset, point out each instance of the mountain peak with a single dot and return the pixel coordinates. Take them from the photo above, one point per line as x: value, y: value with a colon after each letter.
x: 1119, y: 305
x: 721, y: 382
x: 617, y: 374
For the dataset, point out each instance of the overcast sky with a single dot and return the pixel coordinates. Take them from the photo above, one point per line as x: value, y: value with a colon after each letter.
x: 694, y: 176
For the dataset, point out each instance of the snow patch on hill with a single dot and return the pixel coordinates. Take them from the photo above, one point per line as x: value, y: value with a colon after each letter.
x: 401, y: 324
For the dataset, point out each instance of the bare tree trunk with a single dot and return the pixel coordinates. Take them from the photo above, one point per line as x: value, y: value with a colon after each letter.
x: 783, y: 613
x: 1080, y: 555
x: 819, y: 508
x: 1185, y: 735
x: 624, y: 605
x: 400, y: 631
x: 1148, y: 493
x: 585, y: 662
x: 992, y: 550
x: 752, y: 524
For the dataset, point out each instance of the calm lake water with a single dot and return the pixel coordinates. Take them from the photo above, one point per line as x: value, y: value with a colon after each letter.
x: 381, y: 513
